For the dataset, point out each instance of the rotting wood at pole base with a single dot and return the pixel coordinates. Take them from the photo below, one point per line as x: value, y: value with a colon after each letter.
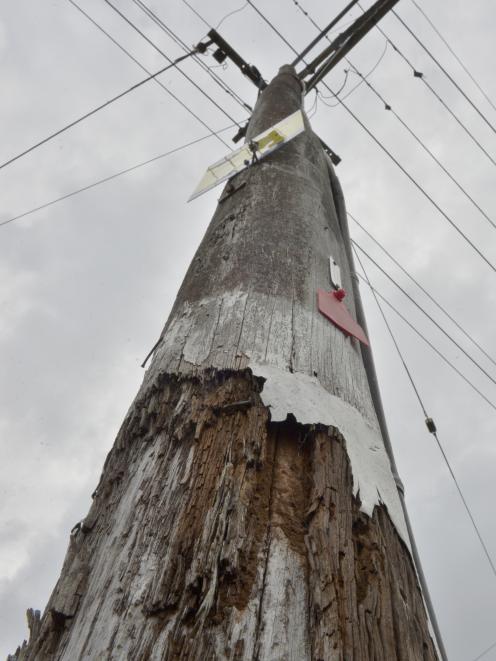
x: 199, y: 513
x: 216, y: 532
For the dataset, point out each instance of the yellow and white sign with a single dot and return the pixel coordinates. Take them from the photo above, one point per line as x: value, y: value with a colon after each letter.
x: 254, y: 150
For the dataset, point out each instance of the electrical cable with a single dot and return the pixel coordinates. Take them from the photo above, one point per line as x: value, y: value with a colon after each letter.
x: 221, y: 83
x: 390, y: 330
x: 324, y: 32
x: 446, y: 73
x: 143, y: 68
x: 381, y: 57
x: 313, y: 108
x: 235, y: 11
x: 457, y: 58
x: 425, y: 313
x: 420, y: 75
x: 419, y: 187
x: 338, y: 92
x: 429, y: 343
x: 355, y: 87
x: 389, y: 108
x: 328, y: 34
x: 488, y: 649
x: 266, y: 20
x: 431, y: 426
x: 395, y: 160
x: 112, y: 176
x: 159, y: 50
x: 429, y: 296
x: 95, y: 110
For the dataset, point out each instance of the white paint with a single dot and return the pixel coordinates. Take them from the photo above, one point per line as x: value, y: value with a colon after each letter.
x: 304, y: 397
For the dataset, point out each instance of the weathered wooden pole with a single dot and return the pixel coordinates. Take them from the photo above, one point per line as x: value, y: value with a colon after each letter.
x: 248, y: 508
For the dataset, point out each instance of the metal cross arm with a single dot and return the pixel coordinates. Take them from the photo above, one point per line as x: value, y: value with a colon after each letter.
x: 324, y: 32
x: 344, y: 42
x: 224, y: 50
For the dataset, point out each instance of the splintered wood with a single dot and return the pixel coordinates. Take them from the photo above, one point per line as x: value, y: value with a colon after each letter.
x: 217, y: 534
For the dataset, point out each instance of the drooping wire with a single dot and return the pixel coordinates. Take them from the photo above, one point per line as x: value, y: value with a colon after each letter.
x: 422, y: 289
x: 445, y: 72
x: 159, y: 50
x: 313, y: 108
x: 143, y: 68
x: 95, y: 110
x: 432, y: 429
x: 425, y: 313
x: 355, y: 87
x: 323, y: 97
x: 112, y: 176
x: 388, y: 153
x: 219, y: 81
x: 235, y: 11
x: 457, y: 58
x: 420, y: 75
x: 389, y: 108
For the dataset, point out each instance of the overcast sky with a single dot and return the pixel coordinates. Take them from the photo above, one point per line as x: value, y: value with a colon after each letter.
x: 86, y: 285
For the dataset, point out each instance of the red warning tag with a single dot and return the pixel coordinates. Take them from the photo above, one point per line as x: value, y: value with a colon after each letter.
x: 332, y: 307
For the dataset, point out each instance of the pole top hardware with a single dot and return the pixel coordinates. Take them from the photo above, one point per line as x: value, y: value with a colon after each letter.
x: 224, y: 50
x: 320, y: 66
x: 335, y: 159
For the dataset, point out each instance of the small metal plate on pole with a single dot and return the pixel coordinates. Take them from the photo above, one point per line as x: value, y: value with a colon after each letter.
x: 335, y: 310
x: 254, y: 150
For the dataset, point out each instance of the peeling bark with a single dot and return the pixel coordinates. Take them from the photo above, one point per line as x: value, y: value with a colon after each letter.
x: 217, y: 534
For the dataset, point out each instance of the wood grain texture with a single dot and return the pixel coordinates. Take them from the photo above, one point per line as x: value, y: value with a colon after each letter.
x: 216, y: 534
x: 250, y: 292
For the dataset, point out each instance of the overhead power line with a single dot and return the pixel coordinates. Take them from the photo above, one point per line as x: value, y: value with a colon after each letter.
x: 161, y: 52
x: 388, y: 153
x: 457, y: 58
x: 143, y: 68
x: 488, y: 649
x: 420, y: 75
x: 422, y: 289
x: 431, y: 426
x: 221, y: 83
x: 111, y: 177
x: 425, y: 313
x: 445, y: 72
x: 389, y: 108
x: 361, y: 81
x: 97, y: 109
x: 273, y: 27
x: 420, y: 188
x: 324, y: 32
x: 431, y: 345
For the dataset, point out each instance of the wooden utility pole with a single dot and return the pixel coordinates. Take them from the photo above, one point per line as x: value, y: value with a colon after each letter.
x: 248, y: 509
